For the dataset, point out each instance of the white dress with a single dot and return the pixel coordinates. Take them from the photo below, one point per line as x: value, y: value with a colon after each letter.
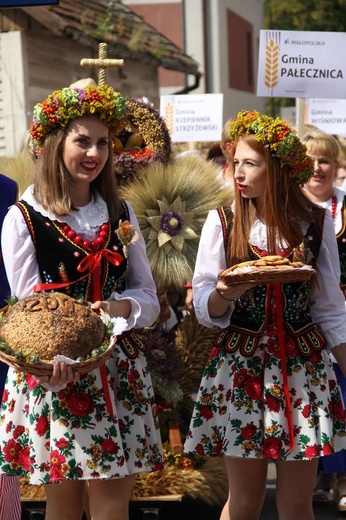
x: 70, y: 433
x: 245, y: 406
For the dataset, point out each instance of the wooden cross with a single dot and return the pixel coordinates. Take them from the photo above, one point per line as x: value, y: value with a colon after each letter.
x: 102, y: 62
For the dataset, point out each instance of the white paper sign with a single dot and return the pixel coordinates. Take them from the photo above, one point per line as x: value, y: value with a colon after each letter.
x: 302, y: 64
x: 328, y: 115
x: 197, y: 117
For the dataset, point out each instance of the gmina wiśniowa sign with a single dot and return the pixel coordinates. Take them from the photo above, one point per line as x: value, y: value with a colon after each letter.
x: 302, y: 64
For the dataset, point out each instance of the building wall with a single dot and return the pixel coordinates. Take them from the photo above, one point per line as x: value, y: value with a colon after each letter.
x: 166, y: 17
x: 30, y: 70
x: 223, y: 36
x: 251, y: 12
x: 13, y: 83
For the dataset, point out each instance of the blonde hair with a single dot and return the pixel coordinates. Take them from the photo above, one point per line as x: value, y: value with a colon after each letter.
x: 225, y: 138
x: 84, y: 83
x: 320, y: 142
x: 342, y: 163
x: 342, y: 143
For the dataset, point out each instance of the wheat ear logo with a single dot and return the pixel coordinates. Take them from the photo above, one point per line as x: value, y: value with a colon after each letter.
x: 272, y: 48
x: 169, y: 117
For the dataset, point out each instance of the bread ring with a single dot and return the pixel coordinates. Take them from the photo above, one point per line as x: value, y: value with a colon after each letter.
x: 297, y: 264
x: 260, y: 263
x: 283, y: 261
x: 272, y: 258
x: 236, y: 266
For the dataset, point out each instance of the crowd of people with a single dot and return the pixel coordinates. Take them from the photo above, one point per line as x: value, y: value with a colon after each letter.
x: 274, y: 386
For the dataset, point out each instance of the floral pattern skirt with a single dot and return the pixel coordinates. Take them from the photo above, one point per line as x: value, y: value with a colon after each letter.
x: 78, y: 432
x: 242, y: 406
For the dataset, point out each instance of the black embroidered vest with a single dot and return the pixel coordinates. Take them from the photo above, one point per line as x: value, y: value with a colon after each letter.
x: 254, y: 312
x: 341, y: 241
x: 58, y: 258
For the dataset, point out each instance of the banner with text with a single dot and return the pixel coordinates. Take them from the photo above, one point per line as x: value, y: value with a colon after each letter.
x: 302, y: 64
x: 328, y: 115
x: 196, y: 117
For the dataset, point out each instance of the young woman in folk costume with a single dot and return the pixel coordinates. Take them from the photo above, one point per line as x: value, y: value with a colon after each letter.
x: 325, y: 151
x: 67, y: 233
x: 269, y: 390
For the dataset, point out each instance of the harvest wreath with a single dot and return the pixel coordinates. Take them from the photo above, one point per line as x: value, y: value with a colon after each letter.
x: 144, y: 140
x: 46, y: 327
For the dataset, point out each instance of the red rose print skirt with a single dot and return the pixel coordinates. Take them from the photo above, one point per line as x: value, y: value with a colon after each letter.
x: 247, y: 408
x: 96, y: 428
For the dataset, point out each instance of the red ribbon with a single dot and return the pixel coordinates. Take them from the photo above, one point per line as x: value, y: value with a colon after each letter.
x: 92, y: 263
x: 281, y: 340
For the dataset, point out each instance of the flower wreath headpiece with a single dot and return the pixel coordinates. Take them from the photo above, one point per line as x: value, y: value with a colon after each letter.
x: 278, y: 138
x: 62, y: 106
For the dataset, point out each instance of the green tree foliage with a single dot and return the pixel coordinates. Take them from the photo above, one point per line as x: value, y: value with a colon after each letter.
x: 305, y: 15
x: 302, y: 15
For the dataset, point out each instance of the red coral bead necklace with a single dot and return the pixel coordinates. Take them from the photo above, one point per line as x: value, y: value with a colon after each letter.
x: 94, y: 245
x: 334, y: 206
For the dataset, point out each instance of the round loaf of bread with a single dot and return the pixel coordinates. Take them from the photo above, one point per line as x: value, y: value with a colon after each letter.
x: 48, y: 324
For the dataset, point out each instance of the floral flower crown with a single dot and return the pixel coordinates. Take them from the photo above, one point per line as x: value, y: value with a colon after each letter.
x: 278, y: 138
x: 62, y: 106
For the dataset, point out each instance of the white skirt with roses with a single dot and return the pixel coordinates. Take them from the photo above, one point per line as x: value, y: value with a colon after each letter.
x: 77, y: 432
x: 242, y: 406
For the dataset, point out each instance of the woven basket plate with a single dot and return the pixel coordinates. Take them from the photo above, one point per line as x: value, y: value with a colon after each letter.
x: 46, y: 369
x: 264, y: 276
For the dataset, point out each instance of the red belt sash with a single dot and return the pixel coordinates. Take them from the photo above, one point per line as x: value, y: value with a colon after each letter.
x: 282, y: 351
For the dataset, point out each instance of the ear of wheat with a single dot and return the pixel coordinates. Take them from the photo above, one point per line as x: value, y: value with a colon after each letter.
x: 271, y: 64
x: 169, y: 119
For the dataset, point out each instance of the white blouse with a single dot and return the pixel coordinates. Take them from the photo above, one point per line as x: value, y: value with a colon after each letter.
x: 327, y: 305
x: 22, y: 269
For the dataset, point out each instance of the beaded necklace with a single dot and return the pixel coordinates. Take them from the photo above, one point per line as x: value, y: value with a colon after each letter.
x: 94, y: 245
x: 333, y: 206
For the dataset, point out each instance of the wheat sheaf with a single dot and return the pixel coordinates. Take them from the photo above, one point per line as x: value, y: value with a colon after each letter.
x: 169, y: 117
x: 271, y: 64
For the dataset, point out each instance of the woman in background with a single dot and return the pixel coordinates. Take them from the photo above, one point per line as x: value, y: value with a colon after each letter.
x: 321, y: 189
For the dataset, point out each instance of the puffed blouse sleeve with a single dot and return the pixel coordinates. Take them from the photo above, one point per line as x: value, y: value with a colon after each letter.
x: 210, y: 259
x: 140, y: 286
x: 19, y: 254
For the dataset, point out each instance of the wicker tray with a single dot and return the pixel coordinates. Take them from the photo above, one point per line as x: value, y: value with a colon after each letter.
x: 264, y: 276
x: 46, y: 369
x: 41, y: 367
